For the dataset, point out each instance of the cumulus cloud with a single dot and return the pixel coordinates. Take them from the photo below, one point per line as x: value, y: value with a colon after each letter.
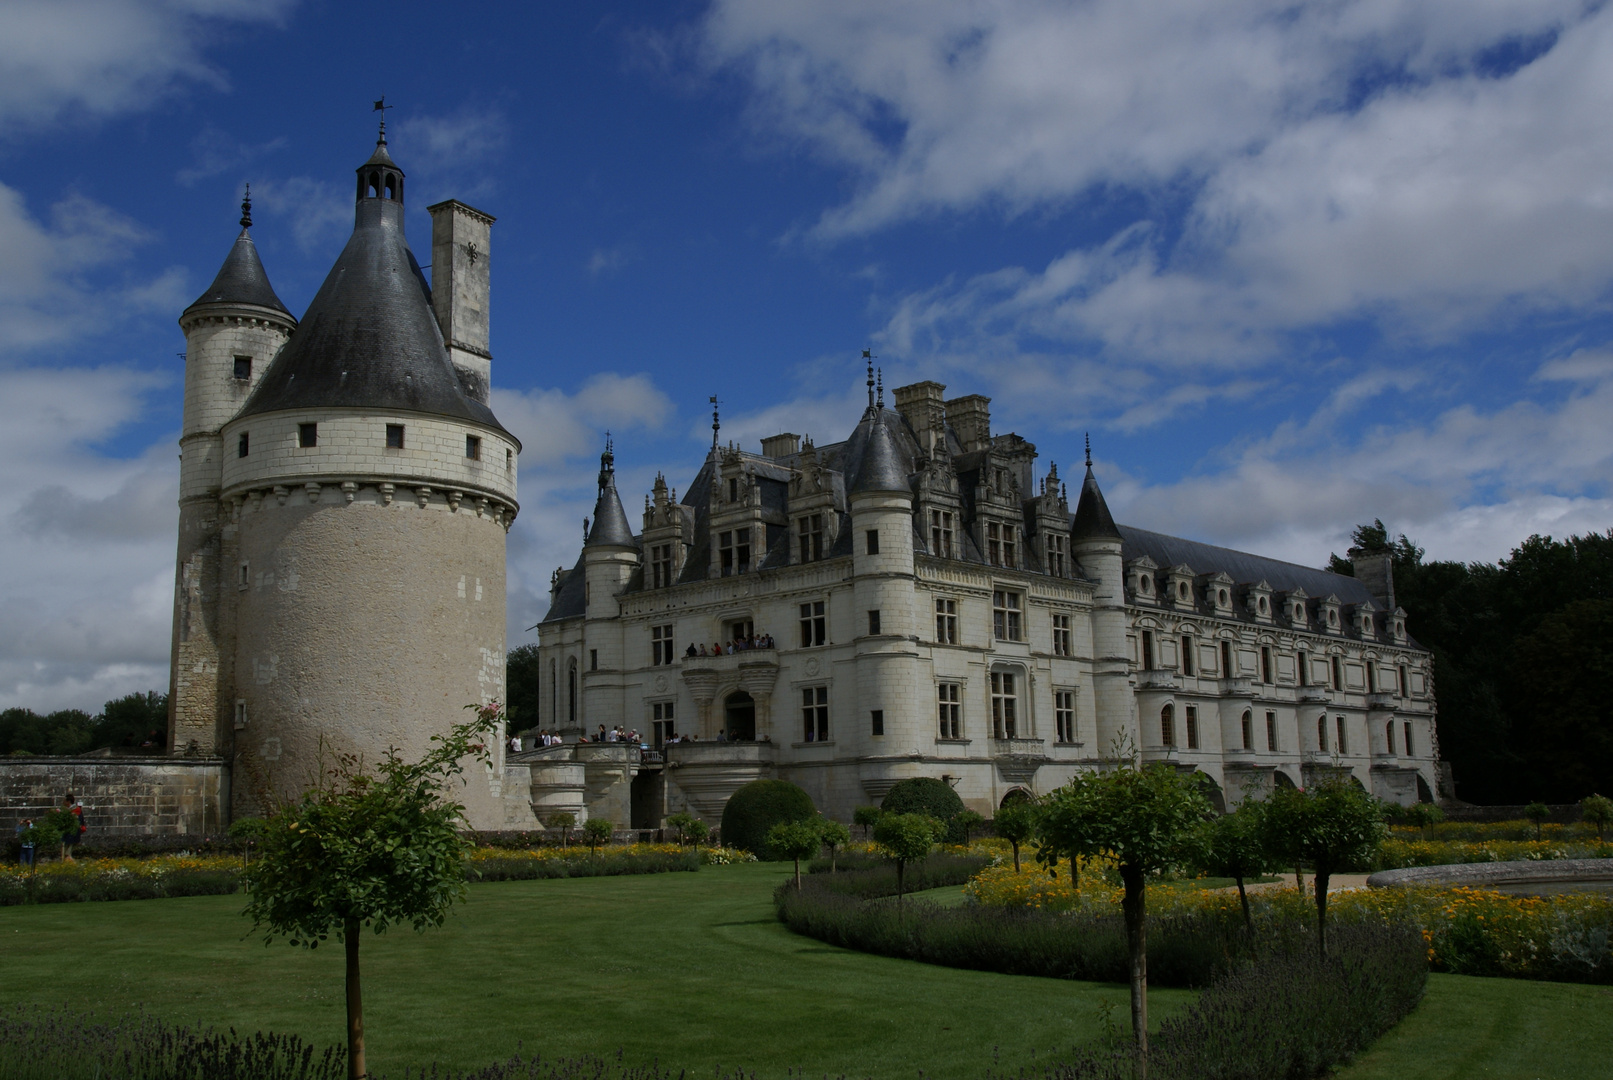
x: 102, y: 58
x: 86, y: 582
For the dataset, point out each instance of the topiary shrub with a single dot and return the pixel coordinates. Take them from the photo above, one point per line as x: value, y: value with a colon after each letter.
x: 927, y: 795
x: 757, y: 807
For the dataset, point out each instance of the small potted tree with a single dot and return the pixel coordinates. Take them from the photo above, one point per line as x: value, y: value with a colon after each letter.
x: 596, y: 834
x: 795, y: 840
x: 834, y: 835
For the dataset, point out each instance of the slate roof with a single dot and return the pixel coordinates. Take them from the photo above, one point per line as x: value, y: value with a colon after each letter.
x: 370, y: 338
x: 874, y: 455
x: 610, y: 526
x: 1242, y: 567
x: 1092, y: 520
x: 242, y: 279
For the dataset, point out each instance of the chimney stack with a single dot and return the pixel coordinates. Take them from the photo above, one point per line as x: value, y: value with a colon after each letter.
x: 970, y: 417
x: 461, y: 246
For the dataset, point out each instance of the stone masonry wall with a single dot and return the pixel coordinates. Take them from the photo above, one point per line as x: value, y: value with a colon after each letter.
x: 121, y: 796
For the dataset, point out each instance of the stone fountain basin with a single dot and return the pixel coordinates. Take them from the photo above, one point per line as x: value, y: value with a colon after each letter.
x: 1529, y: 877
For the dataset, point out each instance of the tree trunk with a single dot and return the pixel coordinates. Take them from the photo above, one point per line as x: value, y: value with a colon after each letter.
x: 797, y: 875
x: 1135, y: 907
x: 899, y: 868
x: 355, y: 1006
x: 1299, y: 879
x: 1243, y: 898
x: 1016, y: 857
x: 1321, y: 877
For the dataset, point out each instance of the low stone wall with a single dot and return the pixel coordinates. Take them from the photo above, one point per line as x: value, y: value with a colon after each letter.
x: 122, y: 796
x: 1530, y: 877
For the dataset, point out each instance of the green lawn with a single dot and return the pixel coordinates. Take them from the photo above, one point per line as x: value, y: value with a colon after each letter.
x: 692, y: 969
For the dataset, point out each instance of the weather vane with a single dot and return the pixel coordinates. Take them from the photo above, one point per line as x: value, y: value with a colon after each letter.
x: 381, y: 107
x: 716, y: 425
x: 868, y: 355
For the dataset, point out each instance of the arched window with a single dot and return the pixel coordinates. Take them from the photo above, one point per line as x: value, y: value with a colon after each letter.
x: 1321, y: 733
x: 1248, y: 730
x: 1167, y: 726
x: 1389, y: 736
x: 571, y: 692
x: 390, y: 186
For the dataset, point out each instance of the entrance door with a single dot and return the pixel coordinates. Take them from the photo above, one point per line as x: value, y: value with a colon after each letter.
x: 739, y: 717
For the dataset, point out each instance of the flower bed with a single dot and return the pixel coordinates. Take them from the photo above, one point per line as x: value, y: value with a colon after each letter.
x: 502, y: 864
x: 1401, y: 851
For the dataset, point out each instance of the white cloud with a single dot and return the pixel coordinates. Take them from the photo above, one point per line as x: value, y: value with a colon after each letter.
x: 320, y: 211
x: 217, y: 151
x: 101, y: 58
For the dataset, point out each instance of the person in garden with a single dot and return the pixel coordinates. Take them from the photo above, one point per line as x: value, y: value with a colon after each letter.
x: 74, y: 829
x: 25, y: 842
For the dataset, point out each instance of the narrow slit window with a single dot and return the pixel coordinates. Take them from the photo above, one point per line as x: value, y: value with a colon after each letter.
x: 1191, y: 714
x: 876, y: 718
x: 1187, y: 656
x: 1271, y: 731
x: 1248, y: 726
x: 242, y: 444
x: 1148, y: 651
x: 873, y: 624
x: 873, y: 541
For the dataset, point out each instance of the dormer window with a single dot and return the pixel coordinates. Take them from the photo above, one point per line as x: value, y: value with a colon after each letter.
x: 1145, y: 583
x: 1181, y: 590
x: 1263, y: 607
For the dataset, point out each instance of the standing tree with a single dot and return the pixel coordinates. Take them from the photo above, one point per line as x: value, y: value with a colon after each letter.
x: 1334, y: 826
x: 565, y: 821
x: 596, y: 833
x: 1016, y: 823
x: 866, y: 817
x: 1422, y: 815
x: 1232, y: 846
x: 1597, y: 810
x: 796, y: 840
x: 834, y: 835
x: 369, y: 849
x: 684, y: 823
x: 967, y: 820
x: 521, y: 684
x: 1538, y: 813
x: 1144, y: 819
x: 905, y: 837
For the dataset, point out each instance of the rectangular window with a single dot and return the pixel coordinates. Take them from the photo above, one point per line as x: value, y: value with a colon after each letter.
x: 1338, y: 674
x: 661, y: 565
x: 876, y: 721
x: 1006, y: 608
x: 1227, y: 670
x: 810, y: 531
x: 815, y: 714
x: 949, y: 698
x: 873, y: 541
x: 244, y: 575
x: 1303, y: 663
x: 394, y: 436
x: 873, y: 623
x: 1001, y: 544
x: 307, y: 435
x: 241, y: 444
x: 1064, y: 715
x: 593, y: 659
x: 1004, y: 706
x: 1056, y: 555
x: 1167, y: 726
x: 1400, y: 684
x: 1343, y: 743
x: 733, y: 552
x: 739, y: 629
x: 1061, y: 635
x: 662, y: 727
x: 1187, y: 656
x: 814, y: 624
x: 1148, y: 650
x: 1405, y: 738
x: 1192, y: 717
x: 1389, y: 737
x: 1372, y: 677
x: 509, y: 460
x: 733, y: 490
x: 473, y: 447
x: 1265, y: 665
x: 243, y: 368
x: 1271, y: 731
x: 946, y: 622
x: 661, y: 644
x: 941, y: 534
x: 1321, y: 733
x: 240, y: 715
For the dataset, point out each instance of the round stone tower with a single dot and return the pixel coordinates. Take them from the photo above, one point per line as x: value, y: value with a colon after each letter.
x: 366, y: 489
x: 232, y: 332
x: 1097, y: 543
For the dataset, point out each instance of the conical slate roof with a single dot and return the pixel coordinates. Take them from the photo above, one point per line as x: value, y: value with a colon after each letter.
x: 880, y: 467
x: 370, y: 338
x: 610, y: 526
x: 242, y: 279
x: 1092, y: 518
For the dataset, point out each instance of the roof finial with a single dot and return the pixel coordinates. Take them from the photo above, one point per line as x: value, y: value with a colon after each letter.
x: 381, y: 107
x: 716, y: 423
x: 246, y: 208
x: 881, y: 380
x: 868, y: 355
x: 1089, y: 449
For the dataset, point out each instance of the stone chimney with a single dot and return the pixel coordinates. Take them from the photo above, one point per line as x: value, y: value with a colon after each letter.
x: 1375, y: 570
x: 970, y: 417
x: 777, y: 446
x: 922, y: 406
x: 461, y: 246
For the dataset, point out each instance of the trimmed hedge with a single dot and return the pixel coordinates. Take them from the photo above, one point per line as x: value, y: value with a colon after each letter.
x: 927, y: 795
x: 605, y: 864
x: 757, y: 807
x: 1286, y: 1013
x: 872, y: 877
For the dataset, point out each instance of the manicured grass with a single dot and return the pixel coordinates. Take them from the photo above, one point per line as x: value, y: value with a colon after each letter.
x: 1496, y: 1029
x: 692, y: 969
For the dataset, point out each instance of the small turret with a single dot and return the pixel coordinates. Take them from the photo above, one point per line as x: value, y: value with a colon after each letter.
x: 610, y: 528
x: 610, y: 553
x: 1097, y: 545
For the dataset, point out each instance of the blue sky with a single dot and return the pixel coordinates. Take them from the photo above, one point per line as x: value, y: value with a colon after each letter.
x: 1294, y: 266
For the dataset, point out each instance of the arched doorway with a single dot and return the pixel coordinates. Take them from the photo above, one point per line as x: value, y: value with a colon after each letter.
x: 1424, y: 792
x: 1016, y: 795
x: 1282, y: 779
x: 739, y: 717
x: 1210, y: 790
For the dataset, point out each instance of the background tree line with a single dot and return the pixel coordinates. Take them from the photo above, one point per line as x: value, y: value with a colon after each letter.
x: 1523, y: 658
x: 131, y: 721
